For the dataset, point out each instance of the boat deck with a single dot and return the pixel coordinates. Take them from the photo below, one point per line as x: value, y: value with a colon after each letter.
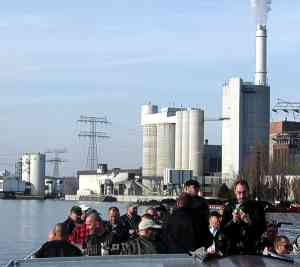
x: 153, y: 261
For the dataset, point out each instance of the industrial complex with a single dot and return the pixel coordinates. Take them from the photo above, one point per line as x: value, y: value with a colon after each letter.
x: 174, y: 149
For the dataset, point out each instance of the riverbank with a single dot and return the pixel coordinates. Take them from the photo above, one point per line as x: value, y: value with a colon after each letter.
x: 119, y: 198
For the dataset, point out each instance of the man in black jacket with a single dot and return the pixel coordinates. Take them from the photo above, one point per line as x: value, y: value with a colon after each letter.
x: 243, y: 221
x: 131, y: 219
x: 182, y: 233
x: 58, y: 246
x: 200, y: 211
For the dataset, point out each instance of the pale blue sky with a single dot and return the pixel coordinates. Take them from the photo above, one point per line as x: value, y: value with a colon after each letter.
x: 61, y: 59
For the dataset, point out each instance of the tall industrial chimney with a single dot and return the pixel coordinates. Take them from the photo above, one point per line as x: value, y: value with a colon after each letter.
x: 261, y: 55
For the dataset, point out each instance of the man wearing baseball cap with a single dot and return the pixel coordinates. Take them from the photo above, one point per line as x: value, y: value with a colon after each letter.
x: 145, y: 243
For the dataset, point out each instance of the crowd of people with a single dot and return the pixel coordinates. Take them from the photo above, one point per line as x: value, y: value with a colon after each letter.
x: 240, y: 228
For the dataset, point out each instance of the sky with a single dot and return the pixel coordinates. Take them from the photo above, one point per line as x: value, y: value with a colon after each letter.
x: 63, y: 59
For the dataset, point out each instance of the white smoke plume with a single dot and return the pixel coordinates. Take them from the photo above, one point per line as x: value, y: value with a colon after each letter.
x: 261, y: 9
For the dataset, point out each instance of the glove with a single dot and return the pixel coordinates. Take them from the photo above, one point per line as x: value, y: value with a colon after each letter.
x: 199, y: 254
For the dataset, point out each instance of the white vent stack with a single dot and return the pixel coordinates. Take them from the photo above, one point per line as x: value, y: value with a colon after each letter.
x: 261, y: 55
x: 261, y: 9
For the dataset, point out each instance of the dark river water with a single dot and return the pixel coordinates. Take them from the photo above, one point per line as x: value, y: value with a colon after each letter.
x: 24, y: 224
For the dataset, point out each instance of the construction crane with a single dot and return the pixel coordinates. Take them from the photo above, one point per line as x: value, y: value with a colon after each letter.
x: 287, y: 107
x: 56, y: 160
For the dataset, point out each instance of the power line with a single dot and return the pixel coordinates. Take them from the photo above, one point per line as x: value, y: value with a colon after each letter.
x: 56, y: 160
x: 93, y: 135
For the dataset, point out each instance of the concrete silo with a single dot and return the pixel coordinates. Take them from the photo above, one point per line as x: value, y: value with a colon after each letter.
x: 196, y: 140
x: 149, y: 142
x: 185, y: 156
x: 178, y: 141
x: 165, y: 147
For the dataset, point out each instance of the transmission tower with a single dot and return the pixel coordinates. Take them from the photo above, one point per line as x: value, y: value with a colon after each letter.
x: 56, y: 160
x: 93, y: 135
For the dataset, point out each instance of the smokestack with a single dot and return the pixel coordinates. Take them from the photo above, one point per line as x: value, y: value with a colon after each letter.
x: 261, y: 9
x: 261, y: 55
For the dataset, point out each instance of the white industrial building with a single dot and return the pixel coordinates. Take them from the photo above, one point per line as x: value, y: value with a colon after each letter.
x: 248, y: 107
x: 109, y: 182
x: 33, y: 172
x: 172, y: 139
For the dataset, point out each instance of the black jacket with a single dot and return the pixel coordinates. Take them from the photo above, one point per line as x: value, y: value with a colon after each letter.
x: 142, y: 245
x: 57, y: 248
x: 220, y: 241
x: 118, y: 233
x: 243, y: 238
x: 131, y: 222
x: 96, y: 242
x: 182, y: 233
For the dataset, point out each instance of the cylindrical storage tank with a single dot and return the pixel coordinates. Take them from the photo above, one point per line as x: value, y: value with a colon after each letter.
x: 185, y: 140
x: 178, y: 141
x: 165, y: 147
x: 37, y: 173
x: 196, y: 143
x: 149, y: 150
x: 26, y: 167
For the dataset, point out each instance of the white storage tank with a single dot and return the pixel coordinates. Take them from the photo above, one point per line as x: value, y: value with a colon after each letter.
x: 165, y: 147
x: 37, y: 173
x: 196, y: 141
x: 185, y: 140
x: 149, y: 150
x: 178, y: 141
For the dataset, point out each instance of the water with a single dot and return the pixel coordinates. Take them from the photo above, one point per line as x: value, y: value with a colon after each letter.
x: 25, y: 224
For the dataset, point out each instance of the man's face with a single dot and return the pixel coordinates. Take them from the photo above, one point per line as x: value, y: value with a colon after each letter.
x: 214, y: 222
x: 75, y: 217
x: 153, y: 213
x: 93, y: 225
x: 132, y: 210
x: 113, y: 216
x: 150, y: 233
x: 241, y: 193
x: 193, y: 190
x: 283, y: 248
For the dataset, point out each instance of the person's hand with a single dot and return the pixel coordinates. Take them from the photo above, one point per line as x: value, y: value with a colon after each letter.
x: 235, y: 217
x: 131, y: 231
x: 244, y: 217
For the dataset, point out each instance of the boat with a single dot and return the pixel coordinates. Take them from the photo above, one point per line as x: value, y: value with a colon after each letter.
x: 162, y: 260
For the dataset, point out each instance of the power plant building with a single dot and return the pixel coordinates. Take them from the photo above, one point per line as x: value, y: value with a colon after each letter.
x: 172, y: 139
x: 247, y: 105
